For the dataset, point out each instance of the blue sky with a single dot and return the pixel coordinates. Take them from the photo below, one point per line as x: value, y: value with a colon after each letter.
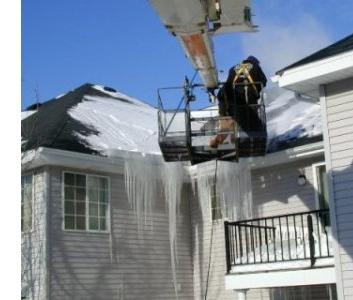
x: 123, y: 44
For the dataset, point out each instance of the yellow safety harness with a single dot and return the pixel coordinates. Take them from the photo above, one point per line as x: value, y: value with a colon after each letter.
x: 243, y: 70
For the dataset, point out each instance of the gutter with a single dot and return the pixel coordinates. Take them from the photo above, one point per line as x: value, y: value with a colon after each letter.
x: 114, y: 163
x: 55, y: 157
x: 316, y: 70
x: 271, y: 159
x: 288, y: 155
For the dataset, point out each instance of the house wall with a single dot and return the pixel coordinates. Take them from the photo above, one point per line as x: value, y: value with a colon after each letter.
x: 337, y: 108
x: 275, y: 191
x: 121, y: 264
x: 33, y: 243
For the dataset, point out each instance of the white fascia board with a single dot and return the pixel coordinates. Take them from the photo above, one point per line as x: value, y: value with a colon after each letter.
x: 114, y: 163
x: 55, y: 157
x: 286, y: 156
x: 311, y: 71
x: 280, y: 279
x: 271, y: 159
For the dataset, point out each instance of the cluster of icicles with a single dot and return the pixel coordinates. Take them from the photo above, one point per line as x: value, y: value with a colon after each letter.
x: 150, y: 179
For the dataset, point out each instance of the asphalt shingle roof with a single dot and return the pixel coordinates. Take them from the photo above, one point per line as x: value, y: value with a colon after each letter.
x: 52, y: 126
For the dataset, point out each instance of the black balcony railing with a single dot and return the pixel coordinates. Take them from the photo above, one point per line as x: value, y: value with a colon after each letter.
x: 299, y: 236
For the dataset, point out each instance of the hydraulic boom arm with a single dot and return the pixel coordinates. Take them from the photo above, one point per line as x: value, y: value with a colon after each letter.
x: 193, y: 22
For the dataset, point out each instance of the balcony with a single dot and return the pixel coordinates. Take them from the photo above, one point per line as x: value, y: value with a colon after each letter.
x: 280, y: 245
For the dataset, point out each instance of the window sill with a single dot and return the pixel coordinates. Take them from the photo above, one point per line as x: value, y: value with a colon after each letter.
x: 86, y: 231
x: 218, y: 221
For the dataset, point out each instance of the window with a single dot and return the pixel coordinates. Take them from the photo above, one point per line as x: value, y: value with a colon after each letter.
x: 26, y: 202
x: 215, y: 204
x: 85, y: 202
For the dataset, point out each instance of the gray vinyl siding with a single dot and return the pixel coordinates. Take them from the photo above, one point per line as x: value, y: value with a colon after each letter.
x: 211, y: 280
x: 339, y: 116
x: 122, y: 264
x: 275, y: 191
x: 33, y: 243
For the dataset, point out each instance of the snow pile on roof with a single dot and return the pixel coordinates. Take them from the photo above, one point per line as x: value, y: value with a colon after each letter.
x: 290, y: 118
x: 25, y: 114
x: 123, y: 122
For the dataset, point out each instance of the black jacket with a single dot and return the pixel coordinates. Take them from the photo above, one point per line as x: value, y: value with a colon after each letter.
x: 229, y: 96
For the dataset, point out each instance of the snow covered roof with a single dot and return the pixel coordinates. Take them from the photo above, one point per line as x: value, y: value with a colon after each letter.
x: 291, y: 121
x: 27, y: 113
x: 123, y: 123
x: 93, y: 119
x: 98, y: 120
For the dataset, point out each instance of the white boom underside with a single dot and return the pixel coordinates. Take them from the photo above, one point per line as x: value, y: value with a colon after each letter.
x: 194, y: 22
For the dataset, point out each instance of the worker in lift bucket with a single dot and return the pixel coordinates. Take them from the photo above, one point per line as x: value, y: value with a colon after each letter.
x: 243, y: 86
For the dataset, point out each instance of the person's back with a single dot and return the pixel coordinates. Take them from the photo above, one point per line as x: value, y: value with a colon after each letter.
x: 241, y: 89
x: 238, y: 88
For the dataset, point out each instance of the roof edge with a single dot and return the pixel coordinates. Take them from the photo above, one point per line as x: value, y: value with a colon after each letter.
x: 44, y: 156
x: 55, y: 157
x: 290, y: 155
x: 319, y: 69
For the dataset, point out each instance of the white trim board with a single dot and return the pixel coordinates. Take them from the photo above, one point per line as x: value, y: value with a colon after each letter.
x: 314, y: 170
x: 281, y: 266
x: 115, y: 165
x: 307, y: 78
x: 86, y: 162
x: 289, y: 155
x: 57, y: 157
x: 280, y: 279
x: 271, y: 159
x: 332, y: 202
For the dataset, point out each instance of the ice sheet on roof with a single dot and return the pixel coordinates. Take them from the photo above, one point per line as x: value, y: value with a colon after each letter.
x: 132, y: 125
x: 125, y: 125
x: 290, y: 118
x: 25, y: 114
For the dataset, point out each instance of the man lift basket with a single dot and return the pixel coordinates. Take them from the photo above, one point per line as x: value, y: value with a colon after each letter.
x: 185, y: 134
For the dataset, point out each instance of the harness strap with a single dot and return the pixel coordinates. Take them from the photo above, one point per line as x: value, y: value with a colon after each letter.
x: 243, y: 70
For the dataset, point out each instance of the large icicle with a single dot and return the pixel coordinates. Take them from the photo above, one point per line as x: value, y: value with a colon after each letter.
x: 234, y: 189
x: 146, y: 181
x: 149, y: 178
x: 173, y: 181
x: 142, y: 178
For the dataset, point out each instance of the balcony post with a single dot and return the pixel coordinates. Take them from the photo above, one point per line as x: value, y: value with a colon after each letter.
x: 226, y: 233
x: 311, y: 240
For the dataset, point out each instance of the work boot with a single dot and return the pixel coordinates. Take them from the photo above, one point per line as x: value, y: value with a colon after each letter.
x: 219, y: 139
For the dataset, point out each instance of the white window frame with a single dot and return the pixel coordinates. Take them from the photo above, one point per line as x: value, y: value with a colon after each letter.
x: 108, y: 216
x: 32, y: 207
x: 315, y: 183
x: 218, y: 201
